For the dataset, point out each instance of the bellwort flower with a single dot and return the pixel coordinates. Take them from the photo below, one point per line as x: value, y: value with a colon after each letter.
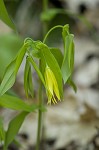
x: 52, y: 89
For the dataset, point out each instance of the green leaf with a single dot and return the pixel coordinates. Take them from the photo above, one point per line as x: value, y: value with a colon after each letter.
x: 10, y: 44
x: 68, y: 60
x: 72, y: 84
x: 26, y: 72
x: 2, y: 131
x: 53, y: 64
x: 20, y: 57
x: 37, y: 69
x: 35, y: 52
x: 28, y: 84
x: 65, y: 32
x: 13, y: 128
x: 49, y: 14
x: 17, y: 143
x: 8, y: 79
x: 16, y: 103
x: 57, y: 54
x: 4, y: 15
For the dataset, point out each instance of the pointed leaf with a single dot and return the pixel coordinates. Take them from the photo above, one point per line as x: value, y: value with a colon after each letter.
x: 8, y: 79
x: 28, y: 83
x: 37, y: 69
x: 20, y: 57
x: 2, y: 131
x: 16, y: 103
x: 65, y: 32
x: 72, y: 84
x: 68, y: 60
x: 4, y: 15
x: 26, y: 72
x: 13, y: 128
x: 49, y: 14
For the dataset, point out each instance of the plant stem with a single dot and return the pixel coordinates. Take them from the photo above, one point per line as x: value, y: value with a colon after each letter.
x: 39, y: 117
x: 45, y: 5
x: 45, y: 28
x: 58, y: 26
x: 45, y: 24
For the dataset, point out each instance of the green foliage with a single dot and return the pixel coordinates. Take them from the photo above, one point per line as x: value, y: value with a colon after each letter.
x: 4, y: 15
x: 8, y: 79
x: 16, y: 103
x: 60, y: 67
x: 68, y: 60
x: 20, y: 57
x: 28, y: 83
x: 9, y: 47
x: 2, y: 131
x: 13, y: 128
x: 58, y: 55
x: 49, y: 14
x: 53, y: 64
x: 11, y: 71
x: 37, y: 69
x: 72, y: 84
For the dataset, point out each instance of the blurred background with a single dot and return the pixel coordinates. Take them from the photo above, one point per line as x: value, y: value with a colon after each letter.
x: 72, y: 124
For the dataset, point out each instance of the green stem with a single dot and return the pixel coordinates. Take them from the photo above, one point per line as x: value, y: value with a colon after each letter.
x: 44, y: 23
x: 39, y: 117
x: 58, y: 26
x: 45, y: 5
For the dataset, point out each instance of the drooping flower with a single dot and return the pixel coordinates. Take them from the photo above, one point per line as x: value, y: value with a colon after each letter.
x: 52, y: 89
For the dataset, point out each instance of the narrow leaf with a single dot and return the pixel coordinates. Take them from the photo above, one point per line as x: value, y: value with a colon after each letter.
x: 13, y: 128
x: 8, y: 79
x: 15, y: 103
x: 68, y: 60
x: 49, y: 14
x: 2, y: 131
x: 4, y: 15
x: 37, y: 69
x: 30, y: 82
x: 72, y: 84
x: 20, y: 57
x: 26, y: 72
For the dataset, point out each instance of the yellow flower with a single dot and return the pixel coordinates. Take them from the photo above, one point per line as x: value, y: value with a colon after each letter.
x: 52, y: 86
